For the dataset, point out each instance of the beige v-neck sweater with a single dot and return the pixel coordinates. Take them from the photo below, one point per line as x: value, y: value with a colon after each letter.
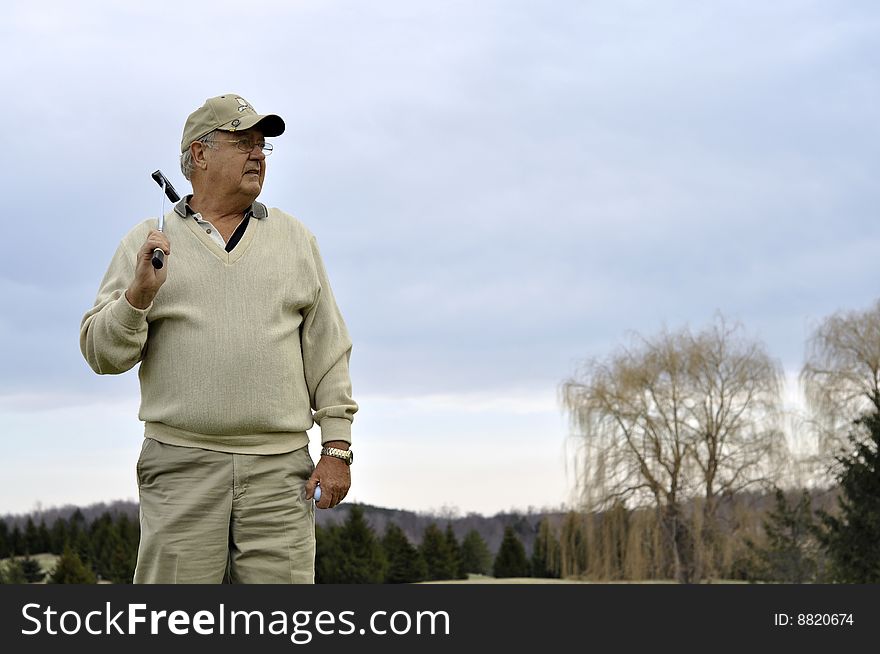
x: 240, y: 351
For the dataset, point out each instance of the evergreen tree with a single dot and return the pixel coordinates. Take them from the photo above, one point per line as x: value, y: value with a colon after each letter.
x: 44, y: 537
x: 454, y: 552
x: 58, y: 536
x: 327, y: 554
x: 546, y: 555
x: 33, y: 573
x: 16, y: 542
x: 12, y: 573
x: 5, y: 540
x: 122, y: 554
x: 405, y: 562
x: 789, y: 555
x: 475, y: 555
x: 32, y: 542
x: 511, y: 559
x: 437, y: 554
x: 852, y: 538
x: 71, y: 570
x: 362, y: 560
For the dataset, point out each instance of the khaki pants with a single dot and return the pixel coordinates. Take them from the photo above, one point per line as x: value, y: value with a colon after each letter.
x: 208, y: 517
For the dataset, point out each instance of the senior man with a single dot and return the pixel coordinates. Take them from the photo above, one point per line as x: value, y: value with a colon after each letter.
x: 242, y: 348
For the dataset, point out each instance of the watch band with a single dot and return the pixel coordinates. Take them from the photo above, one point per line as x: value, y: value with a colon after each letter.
x: 338, y: 453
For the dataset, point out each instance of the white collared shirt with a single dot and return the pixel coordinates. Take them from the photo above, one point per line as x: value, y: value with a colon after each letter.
x: 212, y: 231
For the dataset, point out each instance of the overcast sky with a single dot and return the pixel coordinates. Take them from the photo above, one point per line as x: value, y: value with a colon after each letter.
x: 500, y: 189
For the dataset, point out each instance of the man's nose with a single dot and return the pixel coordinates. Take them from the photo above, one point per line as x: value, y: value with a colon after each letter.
x: 257, y: 152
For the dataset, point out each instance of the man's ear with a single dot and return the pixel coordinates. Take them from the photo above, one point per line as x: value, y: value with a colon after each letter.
x: 198, y: 152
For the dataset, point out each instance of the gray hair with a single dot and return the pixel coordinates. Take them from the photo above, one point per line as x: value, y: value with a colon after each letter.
x: 186, y: 161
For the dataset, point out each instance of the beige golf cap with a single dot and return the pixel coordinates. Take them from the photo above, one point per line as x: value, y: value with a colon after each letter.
x: 228, y: 112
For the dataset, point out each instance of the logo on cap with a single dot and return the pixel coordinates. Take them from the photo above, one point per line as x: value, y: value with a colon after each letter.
x: 242, y: 105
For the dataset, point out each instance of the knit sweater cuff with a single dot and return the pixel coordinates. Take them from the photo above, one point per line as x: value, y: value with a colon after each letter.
x: 335, y: 429
x: 128, y: 316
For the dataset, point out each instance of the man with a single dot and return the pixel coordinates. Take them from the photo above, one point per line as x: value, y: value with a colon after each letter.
x: 242, y: 348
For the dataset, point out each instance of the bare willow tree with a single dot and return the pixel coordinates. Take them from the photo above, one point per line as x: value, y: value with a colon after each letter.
x: 673, y: 418
x: 841, y: 376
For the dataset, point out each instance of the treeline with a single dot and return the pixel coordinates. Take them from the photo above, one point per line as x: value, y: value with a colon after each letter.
x: 801, y: 537
x: 351, y: 552
x: 784, y: 537
x: 104, y: 549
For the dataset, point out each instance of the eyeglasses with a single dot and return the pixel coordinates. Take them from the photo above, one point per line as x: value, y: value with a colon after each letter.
x: 247, y: 145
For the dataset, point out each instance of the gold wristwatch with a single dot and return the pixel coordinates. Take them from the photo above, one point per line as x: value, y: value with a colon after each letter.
x: 345, y: 455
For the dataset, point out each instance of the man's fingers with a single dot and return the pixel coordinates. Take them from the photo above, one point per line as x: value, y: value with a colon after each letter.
x: 155, y: 240
x: 310, y: 487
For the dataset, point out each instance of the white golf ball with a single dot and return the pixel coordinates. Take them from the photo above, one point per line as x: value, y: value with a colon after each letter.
x: 317, y: 493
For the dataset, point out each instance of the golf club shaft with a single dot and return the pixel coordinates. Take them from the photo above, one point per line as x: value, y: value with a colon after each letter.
x: 158, y: 255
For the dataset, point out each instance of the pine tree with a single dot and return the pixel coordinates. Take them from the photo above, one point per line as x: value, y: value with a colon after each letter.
x: 405, y: 562
x: 511, y: 559
x: 33, y: 573
x: 454, y: 552
x: 362, y: 560
x: 13, y: 573
x: 5, y: 541
x: 789, y: 554
x: 327, y: 554
x: 852, y: 538
x: 124, y: 556
x: 437, y: 554
x: 58, y: 536
x: 44, y: 537
x: 475, y: 555
x: 16, y: 542
x: 71, y: 570
x: 32, y: 544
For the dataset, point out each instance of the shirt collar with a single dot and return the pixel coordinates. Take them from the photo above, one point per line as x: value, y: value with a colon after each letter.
x: 182, y: 209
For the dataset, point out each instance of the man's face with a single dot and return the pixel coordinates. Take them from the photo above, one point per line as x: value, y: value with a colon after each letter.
x: 233, y: 171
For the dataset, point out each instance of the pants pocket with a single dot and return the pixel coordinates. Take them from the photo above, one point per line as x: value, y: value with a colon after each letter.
x: 143, y: 458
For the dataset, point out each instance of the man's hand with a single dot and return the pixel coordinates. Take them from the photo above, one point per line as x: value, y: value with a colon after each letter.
x: 335, y: 477
x: 147, y: 279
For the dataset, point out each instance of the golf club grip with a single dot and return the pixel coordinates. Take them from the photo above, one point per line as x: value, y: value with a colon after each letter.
x: 158, y: 258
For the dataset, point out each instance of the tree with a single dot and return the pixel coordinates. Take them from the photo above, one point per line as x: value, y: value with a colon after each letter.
x: 790, y: 552
x: 852, y: 538
x: 454, y: 552
x: 32, y: 540
x: 327, y: 554
x: 70, y: 569
x: 362, y: 560
x: 511, y: 559
x: 437, y: 554
x: 574, y: 556
x: 13, y: 573
x: 841, y: 375
x: 475, y: 554
x: 677, y: 417
x: 32, y: 570
x: 58, y: 536
x: 545, y: 554
x: 405, y: 563
x: 5, y: 540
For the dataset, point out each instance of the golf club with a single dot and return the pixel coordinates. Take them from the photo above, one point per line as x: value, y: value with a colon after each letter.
x: 158, y: 255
